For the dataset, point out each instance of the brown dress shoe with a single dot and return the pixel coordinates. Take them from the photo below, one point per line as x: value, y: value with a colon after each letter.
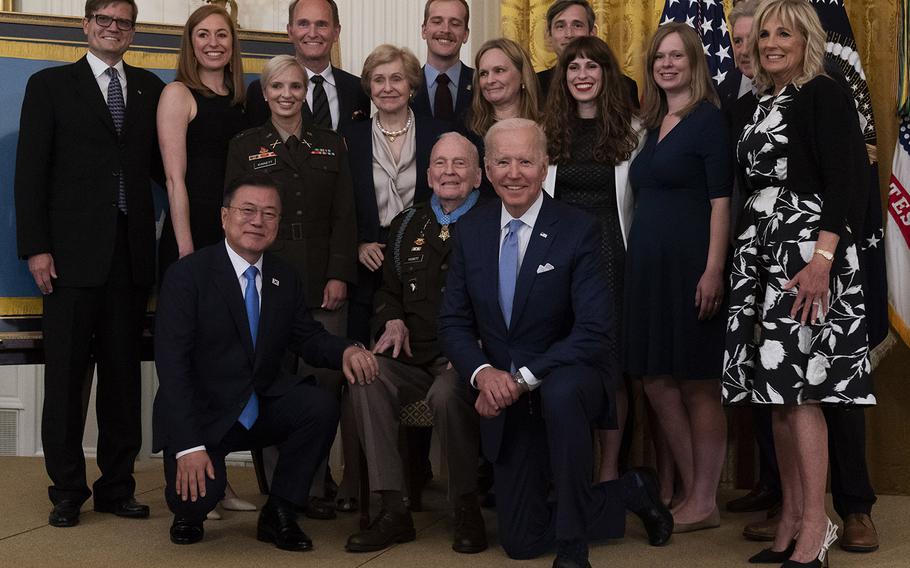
x: 762, y: 530
x: 859, y: 534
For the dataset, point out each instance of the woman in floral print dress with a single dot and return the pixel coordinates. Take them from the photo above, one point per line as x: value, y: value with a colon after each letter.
x: 796, y: 333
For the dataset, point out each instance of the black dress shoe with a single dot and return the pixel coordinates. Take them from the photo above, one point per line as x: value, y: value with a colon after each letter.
x: 385, y: 530
x: 278, y: 525
x: 643, y: 498
x: 184, y: 531
x: 128, y: 508
x: 759, y: 499
x: 65, y: 513
x: 564, y: 562
x: 768, y: 556
x: 470, y: 531
x: 320, y: 509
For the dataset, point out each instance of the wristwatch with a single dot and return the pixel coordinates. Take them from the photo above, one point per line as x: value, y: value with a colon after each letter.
x: 519, y: 380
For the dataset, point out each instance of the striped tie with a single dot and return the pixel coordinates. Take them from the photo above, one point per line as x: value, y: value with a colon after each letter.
x: 321, y: 114
x: 118, y: 111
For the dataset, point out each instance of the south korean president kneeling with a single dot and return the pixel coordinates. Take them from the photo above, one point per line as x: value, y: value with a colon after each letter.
x: 226, y: 314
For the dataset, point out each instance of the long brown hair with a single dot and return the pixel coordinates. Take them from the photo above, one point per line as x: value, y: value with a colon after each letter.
x: 654, y: 105
x: 482, y: 114
x: 188, y: 66
x: 616, y: 138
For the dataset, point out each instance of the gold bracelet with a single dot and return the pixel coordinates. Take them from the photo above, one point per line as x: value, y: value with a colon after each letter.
x: 826, y: 254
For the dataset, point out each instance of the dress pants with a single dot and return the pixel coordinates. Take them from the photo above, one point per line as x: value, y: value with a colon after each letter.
x: 851, y: 489
x: 377, y: 407
x: 547, y: 441
x: 301, y: 424
x: 81, y: 324
x: 335, y: 322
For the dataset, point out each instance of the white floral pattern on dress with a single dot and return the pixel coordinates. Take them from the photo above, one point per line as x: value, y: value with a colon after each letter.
x: 771, y: 358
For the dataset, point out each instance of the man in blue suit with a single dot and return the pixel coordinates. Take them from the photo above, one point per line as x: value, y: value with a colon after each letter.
x: 534, y: 348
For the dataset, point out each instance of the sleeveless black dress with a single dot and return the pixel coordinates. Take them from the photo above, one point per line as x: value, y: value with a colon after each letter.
x: 207, y: 139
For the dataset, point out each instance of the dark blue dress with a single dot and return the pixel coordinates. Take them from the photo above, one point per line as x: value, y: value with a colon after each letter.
x: 674, y: 181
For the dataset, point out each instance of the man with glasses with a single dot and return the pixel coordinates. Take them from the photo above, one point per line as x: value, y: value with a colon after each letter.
x: 85, y: 223
x: 226, y: 315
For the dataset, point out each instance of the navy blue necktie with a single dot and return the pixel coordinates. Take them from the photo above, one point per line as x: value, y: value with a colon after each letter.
x: 118, y: 111
x: 251, y: 299
x: 508, y: 269
x: 321, y: 114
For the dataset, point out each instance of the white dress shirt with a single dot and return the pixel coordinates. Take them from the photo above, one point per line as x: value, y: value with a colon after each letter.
x: 240, y: 265
x: 524, y: 237
x: 331, y: 93
x: 99, y: 70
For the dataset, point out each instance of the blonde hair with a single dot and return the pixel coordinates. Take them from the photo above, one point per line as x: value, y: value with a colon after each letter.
x: 277, y: 65
x: 482, y: 113
x: 188, y: 66
x: 654, y: 104
x: 387, y: 53
x: 798, y: 15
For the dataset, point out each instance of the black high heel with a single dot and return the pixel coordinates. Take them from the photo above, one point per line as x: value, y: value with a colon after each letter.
x: 822, y: 560
x: 768, y: 556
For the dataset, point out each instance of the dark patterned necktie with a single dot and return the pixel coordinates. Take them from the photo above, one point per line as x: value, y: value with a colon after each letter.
x: 443, y: 108
x: 118, y: 111
x: 321, y: 114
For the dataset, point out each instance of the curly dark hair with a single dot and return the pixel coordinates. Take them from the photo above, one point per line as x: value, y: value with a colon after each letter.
x: 616, y: 137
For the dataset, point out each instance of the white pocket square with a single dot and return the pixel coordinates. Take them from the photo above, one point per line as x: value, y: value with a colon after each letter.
x: 544, y: 268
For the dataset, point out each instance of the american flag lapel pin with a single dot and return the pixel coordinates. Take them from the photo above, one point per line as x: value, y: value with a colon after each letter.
x: 544, y: 235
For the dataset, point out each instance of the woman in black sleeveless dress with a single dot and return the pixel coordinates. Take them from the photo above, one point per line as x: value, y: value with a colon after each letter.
x: 593, y: 134
x: 198, y: 114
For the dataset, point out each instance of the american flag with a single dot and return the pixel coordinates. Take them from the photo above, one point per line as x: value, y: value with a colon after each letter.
x: 707, y: 18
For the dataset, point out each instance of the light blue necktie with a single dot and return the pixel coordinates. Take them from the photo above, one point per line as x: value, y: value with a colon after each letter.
x: 251, y: 299
x: 508, y: 269
x: 118, y: 112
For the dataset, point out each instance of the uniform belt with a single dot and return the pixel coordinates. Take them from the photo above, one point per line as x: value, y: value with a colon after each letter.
x: 300, y: 231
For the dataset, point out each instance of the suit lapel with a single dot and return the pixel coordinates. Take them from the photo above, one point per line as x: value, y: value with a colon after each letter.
x: 229, y: 285
x: 87, y: 87
x: 543, y: 233
x: 464, y: 90
x: 345, y: 103
x: 135, y: 98
x: 421, y: 104
x: 270, y: 283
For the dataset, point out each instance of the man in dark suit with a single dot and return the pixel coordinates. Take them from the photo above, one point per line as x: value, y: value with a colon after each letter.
x: 334, y: 97
x: 566, y: 20
x: 85, y: 222
x: 218, y: 352
x: 535, y: 353
x: 445, y: 90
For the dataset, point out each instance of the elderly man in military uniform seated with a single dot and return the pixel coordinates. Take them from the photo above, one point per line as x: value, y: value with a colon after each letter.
x: 412, y: 366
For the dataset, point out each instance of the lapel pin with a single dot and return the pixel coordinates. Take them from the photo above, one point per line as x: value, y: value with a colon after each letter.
x: 275, y: 143
x: 275, y: 282
x: 544, y: 235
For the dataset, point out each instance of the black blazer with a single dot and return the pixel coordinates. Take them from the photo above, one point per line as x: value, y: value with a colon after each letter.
x: 67, y: 161
x: 359, y: 138
x: 826, y: 153
x: 353, y: 102
x: 421, y: 102
x: 207, y: 366
x: 546, y: 76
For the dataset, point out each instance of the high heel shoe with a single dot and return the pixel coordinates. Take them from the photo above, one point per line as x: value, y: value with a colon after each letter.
x: 769, y: 556
x: 822, y: 560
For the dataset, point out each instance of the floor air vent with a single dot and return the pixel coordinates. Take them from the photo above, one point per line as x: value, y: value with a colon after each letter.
x: 9, y: 434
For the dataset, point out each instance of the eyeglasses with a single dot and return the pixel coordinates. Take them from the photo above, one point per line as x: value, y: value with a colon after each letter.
x: 106, y: 21
x: 249, y: 213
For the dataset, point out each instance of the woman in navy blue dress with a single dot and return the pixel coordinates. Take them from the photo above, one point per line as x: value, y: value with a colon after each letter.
x: 677, y: 247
